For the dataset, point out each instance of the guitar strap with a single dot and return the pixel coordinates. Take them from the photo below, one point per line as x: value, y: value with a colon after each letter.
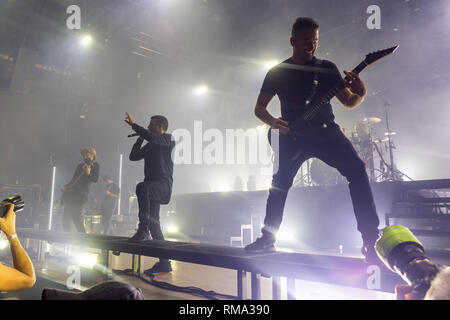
x: 315, y: 83
x: 316, y: 64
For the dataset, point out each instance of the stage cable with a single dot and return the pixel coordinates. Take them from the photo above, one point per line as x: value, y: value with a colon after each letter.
x: 212, y: 295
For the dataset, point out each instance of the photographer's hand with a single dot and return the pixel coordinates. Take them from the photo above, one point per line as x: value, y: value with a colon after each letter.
x: 22, y: 275
x: 8, y: 222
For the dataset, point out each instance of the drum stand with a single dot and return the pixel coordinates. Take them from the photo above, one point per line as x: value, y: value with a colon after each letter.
x: 368, y: 158
x: 391, y: 146
x: 303, y: 177
x: 392, y: 173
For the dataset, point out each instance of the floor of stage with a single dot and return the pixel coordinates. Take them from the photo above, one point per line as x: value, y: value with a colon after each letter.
x: 220, y: 280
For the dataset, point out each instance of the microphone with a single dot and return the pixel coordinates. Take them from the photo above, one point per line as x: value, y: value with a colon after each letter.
x: 133, y: 135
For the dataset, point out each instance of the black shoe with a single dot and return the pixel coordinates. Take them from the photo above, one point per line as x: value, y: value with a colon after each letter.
x: 263, y: 244
x: 159, y: 267
x: 140, y: 236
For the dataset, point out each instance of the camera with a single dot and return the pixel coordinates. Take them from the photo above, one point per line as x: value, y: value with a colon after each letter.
x: 402, y: 253
x: 16, y: 200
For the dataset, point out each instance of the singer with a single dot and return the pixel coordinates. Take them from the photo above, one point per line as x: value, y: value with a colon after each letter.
x: 75, y: 194
x: 156, y: 189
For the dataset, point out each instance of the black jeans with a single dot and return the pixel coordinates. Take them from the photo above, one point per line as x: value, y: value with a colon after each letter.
x: 336, y: 150
x: 107, y: 211
x: 150, y: 194
x: 73, y: 209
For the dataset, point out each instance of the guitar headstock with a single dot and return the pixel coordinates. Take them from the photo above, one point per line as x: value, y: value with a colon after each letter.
x: 377, y: 55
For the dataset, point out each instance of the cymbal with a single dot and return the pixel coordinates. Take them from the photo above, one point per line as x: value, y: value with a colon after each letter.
x: 371, y: 120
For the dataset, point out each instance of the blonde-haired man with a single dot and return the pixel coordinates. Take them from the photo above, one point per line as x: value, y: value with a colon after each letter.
x: 75, y: 193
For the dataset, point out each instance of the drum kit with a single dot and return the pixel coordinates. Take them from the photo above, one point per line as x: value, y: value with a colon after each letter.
x: 369, y: 147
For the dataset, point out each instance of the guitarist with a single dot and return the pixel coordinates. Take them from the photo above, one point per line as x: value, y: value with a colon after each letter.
x: 75, y: 193
x: 295, y: 81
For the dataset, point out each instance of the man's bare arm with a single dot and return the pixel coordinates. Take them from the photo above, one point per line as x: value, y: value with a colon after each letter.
x: 261, y: 108
x: 349, y: 99
x: 262, y: 114
x: 354, y: 95
x: 22, y: 275
x: 113, y: 195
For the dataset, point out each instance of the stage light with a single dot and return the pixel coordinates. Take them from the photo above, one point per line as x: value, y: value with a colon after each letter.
x: 223, y: 188
x: 261, y: 127
x: 86, y: 40
x: 50, y: 213
x: 120, y: 183
x: 52, y: 194
x: 87, y: 259
x: 201, y: 90
x: 285, y: 235
x: 270, y: 64
x: 172, y: 229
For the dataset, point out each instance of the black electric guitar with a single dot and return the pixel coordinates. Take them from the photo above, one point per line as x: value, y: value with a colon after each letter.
x: 301, y: 128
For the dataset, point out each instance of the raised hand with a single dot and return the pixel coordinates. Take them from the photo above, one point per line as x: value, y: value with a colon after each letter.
x: 129, y: 119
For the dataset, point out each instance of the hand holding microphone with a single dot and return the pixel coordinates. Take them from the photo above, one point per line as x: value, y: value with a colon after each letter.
x: 87, y: 169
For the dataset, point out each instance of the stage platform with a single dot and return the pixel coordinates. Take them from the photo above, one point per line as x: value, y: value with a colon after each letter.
x: 312, y: 267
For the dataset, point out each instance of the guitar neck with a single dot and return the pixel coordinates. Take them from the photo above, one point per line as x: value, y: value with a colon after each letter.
x: 316, y: 104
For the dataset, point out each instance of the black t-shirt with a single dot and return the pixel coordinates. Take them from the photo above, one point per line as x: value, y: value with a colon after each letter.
x: 293, y: 83
x: 114, y: 189
x: 84, y: 181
